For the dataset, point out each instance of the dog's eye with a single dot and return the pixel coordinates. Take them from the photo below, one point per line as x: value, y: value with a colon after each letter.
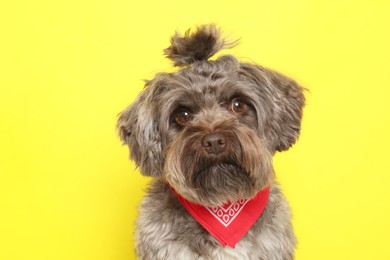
x: 183, y: 117
x: 238, y: 106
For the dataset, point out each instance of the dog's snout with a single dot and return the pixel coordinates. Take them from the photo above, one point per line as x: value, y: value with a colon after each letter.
x: 214, y: 143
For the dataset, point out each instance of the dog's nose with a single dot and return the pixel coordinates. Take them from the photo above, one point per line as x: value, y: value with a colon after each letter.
x: 214, y: 143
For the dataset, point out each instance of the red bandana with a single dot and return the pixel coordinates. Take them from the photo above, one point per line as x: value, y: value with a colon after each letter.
x: 230, y: 222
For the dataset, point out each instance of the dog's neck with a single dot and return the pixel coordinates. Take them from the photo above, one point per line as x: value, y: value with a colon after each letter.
x: 230, y: 222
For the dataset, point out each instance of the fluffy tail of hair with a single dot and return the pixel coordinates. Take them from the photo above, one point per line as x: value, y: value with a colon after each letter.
x: 195, y: 46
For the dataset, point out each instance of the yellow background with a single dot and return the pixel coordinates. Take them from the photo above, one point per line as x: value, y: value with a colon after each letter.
x: 67, y: 190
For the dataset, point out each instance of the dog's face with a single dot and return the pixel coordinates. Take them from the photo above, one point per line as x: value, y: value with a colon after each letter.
x: 211, y: 128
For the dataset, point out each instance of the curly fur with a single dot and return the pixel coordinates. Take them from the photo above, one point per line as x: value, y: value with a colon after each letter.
x: 197, y: 46
x: 172, y: 152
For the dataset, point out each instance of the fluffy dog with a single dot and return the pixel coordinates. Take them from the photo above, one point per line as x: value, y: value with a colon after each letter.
x: 207, y: 133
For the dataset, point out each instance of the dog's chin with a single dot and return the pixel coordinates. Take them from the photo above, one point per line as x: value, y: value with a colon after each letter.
x: 222, y: 182
x: 219, y: 172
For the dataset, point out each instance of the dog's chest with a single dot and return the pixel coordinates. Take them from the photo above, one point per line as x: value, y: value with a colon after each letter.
x: 165, y: 230
x: 240, y: 252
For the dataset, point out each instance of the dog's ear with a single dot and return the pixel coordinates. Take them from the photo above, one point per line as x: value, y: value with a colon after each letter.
x: 282, y: 101
x: 137, y: 127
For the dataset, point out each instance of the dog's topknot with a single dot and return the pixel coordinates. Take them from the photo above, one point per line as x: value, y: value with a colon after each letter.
x: 198, y: 45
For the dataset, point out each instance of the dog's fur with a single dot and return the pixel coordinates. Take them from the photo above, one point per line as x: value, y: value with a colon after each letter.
x: 252, y: 111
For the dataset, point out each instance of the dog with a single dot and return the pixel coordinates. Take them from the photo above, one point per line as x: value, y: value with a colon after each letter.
x: 207, y: 133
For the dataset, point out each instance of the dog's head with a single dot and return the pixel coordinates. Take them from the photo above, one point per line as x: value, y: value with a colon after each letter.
x: 211, y: 128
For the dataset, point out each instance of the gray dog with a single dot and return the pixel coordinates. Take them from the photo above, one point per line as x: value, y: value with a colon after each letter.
x: 207, y: 134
